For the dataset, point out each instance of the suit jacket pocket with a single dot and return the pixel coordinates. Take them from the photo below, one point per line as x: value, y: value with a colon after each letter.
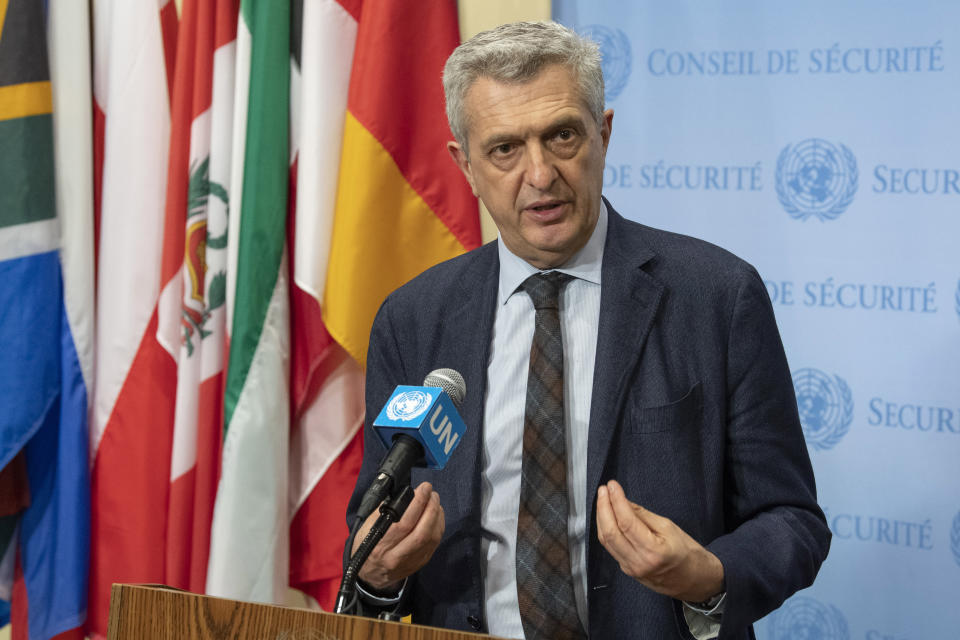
x: 674, y: 415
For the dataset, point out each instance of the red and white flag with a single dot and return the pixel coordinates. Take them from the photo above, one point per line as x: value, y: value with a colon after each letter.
x: 326, y: 384
x: 132, y: 416
x: 374, y: 180
x: 192, y: 314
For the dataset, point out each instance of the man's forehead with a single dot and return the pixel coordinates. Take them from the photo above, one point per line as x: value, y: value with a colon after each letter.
x: 548, y: 74
x: 551, y: 95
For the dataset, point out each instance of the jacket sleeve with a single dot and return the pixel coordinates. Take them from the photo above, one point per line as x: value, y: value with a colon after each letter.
x: 384, y: 372
x: 778, y: 534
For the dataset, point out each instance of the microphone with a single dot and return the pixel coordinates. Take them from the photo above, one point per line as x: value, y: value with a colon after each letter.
x: 421, y: 427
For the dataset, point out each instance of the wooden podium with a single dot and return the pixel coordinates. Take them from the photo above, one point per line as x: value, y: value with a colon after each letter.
x: 154, y: 612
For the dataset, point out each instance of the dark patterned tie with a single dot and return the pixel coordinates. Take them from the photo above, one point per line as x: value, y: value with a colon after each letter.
x: 544, y: 582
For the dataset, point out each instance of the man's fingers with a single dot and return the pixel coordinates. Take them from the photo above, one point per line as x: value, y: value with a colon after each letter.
x: 655, y: 522
x: 400, y: 529
x: 630, y: 518
x: 653, y: 549
x: 425, y: 535
x: 606, y: 521
x: 608, y: 530
x: 363, y: 531
x: 409, y: 543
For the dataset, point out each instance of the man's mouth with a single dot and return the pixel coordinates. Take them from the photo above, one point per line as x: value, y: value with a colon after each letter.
x: 545, y: 208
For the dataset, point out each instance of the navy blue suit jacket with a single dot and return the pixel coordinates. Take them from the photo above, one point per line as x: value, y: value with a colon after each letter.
x: 693, y: 412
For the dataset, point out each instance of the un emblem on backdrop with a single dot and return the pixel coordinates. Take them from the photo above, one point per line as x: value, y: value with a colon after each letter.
x: 617, y: 59
x: 825, y: 405
x: 816, y: 178
x: 956, y: 299
x: 955, y: 538
x: 805, y: 618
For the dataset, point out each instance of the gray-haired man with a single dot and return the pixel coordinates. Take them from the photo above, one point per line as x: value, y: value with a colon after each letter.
x: 687, y: 495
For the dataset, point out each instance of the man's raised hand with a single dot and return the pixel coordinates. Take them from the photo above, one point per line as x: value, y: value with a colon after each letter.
x: 654, y: 550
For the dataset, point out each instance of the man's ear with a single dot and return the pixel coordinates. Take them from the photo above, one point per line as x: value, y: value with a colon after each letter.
x: 460, y: 157
x: 606, y: 128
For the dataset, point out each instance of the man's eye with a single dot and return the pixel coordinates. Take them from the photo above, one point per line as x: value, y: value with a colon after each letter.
x: 503, y: 149
x: 565, y: 134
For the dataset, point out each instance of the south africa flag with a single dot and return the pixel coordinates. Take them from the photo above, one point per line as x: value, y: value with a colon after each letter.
x: 44, y: 494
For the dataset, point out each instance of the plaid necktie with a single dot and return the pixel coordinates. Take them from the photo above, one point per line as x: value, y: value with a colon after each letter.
x: 544, y: 582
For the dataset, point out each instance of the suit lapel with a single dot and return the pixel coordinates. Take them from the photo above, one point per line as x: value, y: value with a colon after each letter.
x: 629, y: 299
x: 473, y: 315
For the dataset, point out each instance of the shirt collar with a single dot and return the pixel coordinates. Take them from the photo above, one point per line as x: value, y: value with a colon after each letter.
x: 585, y: 264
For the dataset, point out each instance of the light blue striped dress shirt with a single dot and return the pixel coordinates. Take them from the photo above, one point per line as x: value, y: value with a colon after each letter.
x: 503, y: 421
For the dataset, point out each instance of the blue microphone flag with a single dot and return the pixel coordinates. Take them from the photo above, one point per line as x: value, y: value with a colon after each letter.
x: 426, y: 414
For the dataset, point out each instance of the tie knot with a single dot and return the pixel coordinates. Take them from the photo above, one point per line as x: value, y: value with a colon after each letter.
x: 544, y: 289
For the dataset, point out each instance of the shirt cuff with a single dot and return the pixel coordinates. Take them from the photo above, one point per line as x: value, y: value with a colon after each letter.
x: 712, y: 607
x: 704, y: 624
x: 381, y: 600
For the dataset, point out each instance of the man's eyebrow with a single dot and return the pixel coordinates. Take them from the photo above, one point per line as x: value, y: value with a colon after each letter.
x: 498, y: 139
x: 563, y: 122
x: 566, y: 122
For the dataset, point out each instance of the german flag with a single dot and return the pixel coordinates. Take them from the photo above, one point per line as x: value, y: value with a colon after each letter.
x: 402, y: 204
x: 378, y: 201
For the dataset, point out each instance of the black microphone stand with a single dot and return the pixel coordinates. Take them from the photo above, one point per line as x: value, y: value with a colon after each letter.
x: 390, y: 511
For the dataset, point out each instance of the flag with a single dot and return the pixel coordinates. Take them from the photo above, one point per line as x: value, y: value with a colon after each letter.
x: 249, y: 536
x: 398, y: 187
x: 396, y: 190
x: 45, y: 314
x: 326, y: 384
x: 191, y: 310
x: 132, y: 419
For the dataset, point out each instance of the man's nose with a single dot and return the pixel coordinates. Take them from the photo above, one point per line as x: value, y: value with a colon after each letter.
x: 540, y: 170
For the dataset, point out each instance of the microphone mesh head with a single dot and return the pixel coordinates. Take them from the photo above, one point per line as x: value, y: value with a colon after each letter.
x: 450, y: 381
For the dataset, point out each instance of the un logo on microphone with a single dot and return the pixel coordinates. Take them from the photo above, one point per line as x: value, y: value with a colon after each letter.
x: 409, y: 405
x: 806, y: 618
x: 825, y: 405
x: 816, y: 178
x: 616, y: 57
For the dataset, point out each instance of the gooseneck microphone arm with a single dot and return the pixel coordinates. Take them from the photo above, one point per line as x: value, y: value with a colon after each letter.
x: 390, y: 512
x: 420, y: 429
x: 392, y: 483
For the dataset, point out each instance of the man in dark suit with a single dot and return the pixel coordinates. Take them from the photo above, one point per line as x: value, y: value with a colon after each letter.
x: 690, y: 508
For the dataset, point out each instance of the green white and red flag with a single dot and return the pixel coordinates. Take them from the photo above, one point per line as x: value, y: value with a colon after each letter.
x: 249, y: 535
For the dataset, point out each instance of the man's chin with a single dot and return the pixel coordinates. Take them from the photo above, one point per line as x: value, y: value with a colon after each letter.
x: 550, y: 256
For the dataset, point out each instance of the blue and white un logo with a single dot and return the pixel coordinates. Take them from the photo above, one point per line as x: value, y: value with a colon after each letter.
x: 955, y: 538
x: 816, y: 178
x: 616, y: 58
x: 826, y: 407
x: 806, y: 619
x: 408, y: 405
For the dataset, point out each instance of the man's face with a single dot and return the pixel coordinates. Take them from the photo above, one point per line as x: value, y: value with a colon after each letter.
x: 536, y: 161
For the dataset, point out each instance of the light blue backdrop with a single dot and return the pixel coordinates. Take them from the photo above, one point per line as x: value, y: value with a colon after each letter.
x: 819, y: 141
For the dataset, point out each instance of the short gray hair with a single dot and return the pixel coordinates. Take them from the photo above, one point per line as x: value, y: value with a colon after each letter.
x: 517, y: 53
